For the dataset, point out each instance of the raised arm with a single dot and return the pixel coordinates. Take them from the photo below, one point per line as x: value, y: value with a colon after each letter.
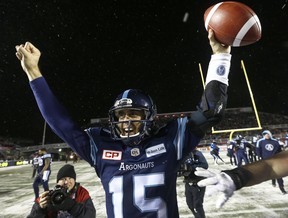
x: 29, y: 57
x: 213, y: 102
x: 51, y: 109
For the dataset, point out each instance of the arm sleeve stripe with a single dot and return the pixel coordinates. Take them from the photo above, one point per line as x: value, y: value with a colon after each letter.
x: 93, y: 147
x: 179, y: 138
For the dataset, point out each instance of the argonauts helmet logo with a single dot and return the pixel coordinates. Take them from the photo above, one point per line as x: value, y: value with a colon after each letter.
x: 123, y: 102
x: 221, y: 70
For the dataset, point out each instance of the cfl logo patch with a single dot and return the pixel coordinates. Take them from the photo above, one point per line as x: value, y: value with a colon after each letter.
x: 135, y: 152
x: 112, y: 155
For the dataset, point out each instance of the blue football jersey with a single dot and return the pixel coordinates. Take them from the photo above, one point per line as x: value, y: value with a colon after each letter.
x: 266, y: 148
x: 41, y: 162
x: 139, y: 181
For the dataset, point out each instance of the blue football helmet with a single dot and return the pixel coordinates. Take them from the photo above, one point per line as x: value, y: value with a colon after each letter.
x: 238, y: 137
x: 133, y: 99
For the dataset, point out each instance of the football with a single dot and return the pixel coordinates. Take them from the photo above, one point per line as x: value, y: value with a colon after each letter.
x: 233, y: 23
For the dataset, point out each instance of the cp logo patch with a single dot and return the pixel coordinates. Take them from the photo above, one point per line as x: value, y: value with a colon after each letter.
x: 112, y: 155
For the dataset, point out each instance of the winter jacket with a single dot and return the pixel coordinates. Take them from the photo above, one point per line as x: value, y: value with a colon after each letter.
x: 78, y: 205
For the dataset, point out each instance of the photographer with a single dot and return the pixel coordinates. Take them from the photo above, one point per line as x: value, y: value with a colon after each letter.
x: 194, y: 194
x: 68, y: 199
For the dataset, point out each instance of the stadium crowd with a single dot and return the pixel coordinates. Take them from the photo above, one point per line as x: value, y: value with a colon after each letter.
x: 10, y: 150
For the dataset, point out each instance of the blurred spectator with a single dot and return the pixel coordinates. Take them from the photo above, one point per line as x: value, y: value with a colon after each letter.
x: 266, y: 148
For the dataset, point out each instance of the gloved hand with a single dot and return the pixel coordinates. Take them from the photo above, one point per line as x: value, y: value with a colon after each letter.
x: 66, y: 204
x: 221, y: 182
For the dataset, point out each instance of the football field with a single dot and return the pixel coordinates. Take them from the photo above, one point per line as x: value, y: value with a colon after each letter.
x: 261, y: 201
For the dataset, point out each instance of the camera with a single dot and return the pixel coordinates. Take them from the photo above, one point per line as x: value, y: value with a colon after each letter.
x: 185, y: 169
x: 58, y: 194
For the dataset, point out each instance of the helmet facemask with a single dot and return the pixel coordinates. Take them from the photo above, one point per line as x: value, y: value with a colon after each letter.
x: 132, y: 129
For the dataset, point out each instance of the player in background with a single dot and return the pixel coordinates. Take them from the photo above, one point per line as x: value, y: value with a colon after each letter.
x: 255, y: 138
x: 251, y: 150
x: 266, y: 148
x: 193, y: 193
x: 35, y: 164
x: 43, y: 170
x: 214, y: 151
x: 231, y: 152
x: 286, y: 141
x: 240, y: 149
x: 281, y: 143
x: 136, y: 161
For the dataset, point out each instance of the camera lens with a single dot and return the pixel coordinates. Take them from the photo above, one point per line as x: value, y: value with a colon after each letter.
x: 58, y: 194
x: 58, y: 197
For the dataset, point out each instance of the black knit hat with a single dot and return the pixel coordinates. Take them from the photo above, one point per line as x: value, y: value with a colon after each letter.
x: 66, y: 171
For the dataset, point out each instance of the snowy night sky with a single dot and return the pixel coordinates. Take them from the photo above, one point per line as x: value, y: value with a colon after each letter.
x: 93, y: 50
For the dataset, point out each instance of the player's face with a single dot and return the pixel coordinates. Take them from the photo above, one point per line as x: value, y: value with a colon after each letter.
x: 129, y: 128
x: 267, y: 136
x: 67, y: 182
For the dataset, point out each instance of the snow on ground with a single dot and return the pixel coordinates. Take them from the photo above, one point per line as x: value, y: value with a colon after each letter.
x: 263, y: 200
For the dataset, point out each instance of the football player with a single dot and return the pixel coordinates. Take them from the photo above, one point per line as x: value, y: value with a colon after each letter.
x: 136, y: 162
